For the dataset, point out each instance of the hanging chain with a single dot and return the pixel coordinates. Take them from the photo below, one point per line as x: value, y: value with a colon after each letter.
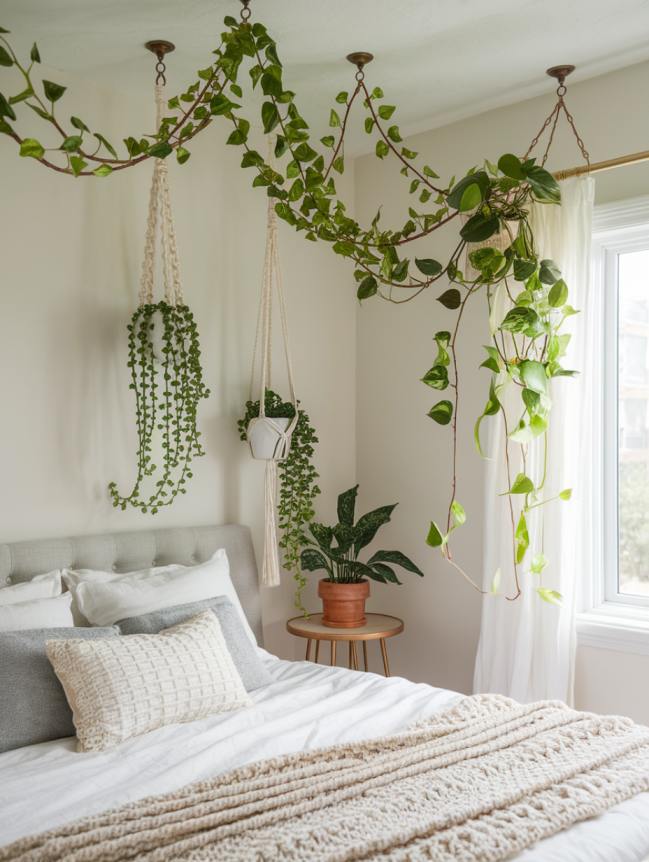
x: 551, y: 121
x: 161, y: 69
x: 246, y: 12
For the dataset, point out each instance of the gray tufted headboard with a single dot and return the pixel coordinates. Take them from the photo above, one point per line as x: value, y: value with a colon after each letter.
x: 123, y: 552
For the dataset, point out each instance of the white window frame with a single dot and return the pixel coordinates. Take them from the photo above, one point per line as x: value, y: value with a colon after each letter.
x: 610, y: 619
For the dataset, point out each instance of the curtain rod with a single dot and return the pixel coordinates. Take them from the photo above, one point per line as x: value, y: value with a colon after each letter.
x: 609, y: 164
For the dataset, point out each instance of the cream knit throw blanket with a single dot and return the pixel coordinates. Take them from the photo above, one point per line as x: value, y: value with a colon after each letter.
x: 478, y: 782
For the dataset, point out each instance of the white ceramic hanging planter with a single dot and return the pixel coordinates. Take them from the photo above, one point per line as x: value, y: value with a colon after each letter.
x: 269, y: 437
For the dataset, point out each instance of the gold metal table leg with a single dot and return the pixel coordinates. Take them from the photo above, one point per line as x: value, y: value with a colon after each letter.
x: 351, y: 660
x: 365, y: 654
x: 384, y: 653
x: 317, y: 651
x: 333, y: 652
x: 308, y: 649
x: 354, y: 655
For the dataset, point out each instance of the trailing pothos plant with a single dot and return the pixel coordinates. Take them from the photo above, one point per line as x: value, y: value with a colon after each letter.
x: 525, y: 295
x: 298, y: 483
x: 335, y: 549
x: 167, y: 380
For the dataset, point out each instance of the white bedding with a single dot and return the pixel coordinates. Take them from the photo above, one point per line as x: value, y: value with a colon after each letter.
x: 307, y: 706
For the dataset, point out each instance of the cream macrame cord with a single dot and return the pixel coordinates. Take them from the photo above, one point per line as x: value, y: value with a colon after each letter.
x: 160, y: 213
x: 271, y: 282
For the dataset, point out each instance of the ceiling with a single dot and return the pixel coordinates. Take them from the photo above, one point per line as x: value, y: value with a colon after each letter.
x: 438, y: 60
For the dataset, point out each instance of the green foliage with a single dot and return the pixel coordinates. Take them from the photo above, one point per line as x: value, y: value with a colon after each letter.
x: 489, y: 202
x: 335, y: 549
x: 167, y: 380
x: 298, y: 483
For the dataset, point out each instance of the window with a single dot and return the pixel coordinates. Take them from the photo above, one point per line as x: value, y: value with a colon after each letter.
x: 621, y: 271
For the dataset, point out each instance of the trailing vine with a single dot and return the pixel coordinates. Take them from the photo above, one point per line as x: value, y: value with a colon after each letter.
x: 298, y: 485
x: 167, y: 380
x: 526, y: 296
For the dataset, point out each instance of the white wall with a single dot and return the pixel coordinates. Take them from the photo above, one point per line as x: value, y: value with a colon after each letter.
x: 70, y: 254
x: 403, y: 455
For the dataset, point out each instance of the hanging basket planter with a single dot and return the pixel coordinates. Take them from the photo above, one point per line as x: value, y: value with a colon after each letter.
x: 279, y: 433
x: 164, y: 359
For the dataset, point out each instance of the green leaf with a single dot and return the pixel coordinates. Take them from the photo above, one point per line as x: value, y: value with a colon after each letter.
x: 5, y: 58
x: 182, y: 155
x: 493, y: 362
x: 72, y: 143
x: 488, y: 261
x: 386, y: 111
x: 396, y: 558
x: 428, y: 266
x: 522, y: 538
x: 367, y: 288
x: 103, y: 171
x: 533, y: 375
x: 539, y: 562
x: 34, y: 54
x: 160, y: 150
x: 480, y: 227
x: 334, y: 119
x: 523, y: 269
x: 442, y: 412
x: 491, y: 408
x: 521, y: 318
x: 271, y: 85
x: 251, y: 158
x: 369, y: 524
x: 531, y: 399
x: 522, y: 484
x: 544, y: 186
x: 393, y: 134
x: 550, y: 596
x: 342, y: 97
x: 79, y: 124
x: 511, y: 166
x: 436, y: 377
x: 495, y: 582
x: 459, y: 515
x: 220, y: 104
x: 558, y: 294
x: 77, y: 164
x: 434, y: 538
x: 311, y: 560
x: 382, y: 573
x: 5, y: 109
x: 30, y: 147
x: 346, y: 506
x: 327, y: 141
x: 21, y: 97
x: 269, y: 116
x: 53, y: 92
x: 382, y: 149
x: 451, y: 298
x: 339, y: 164
x: 471, y: 197
x: 369, y: 124
x: 566, y: 494
x: 304, y: 153
x: 549, y: 272
x: 479, y: 179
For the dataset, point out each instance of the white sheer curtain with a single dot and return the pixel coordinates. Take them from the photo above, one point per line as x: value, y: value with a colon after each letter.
x: 527, y: 647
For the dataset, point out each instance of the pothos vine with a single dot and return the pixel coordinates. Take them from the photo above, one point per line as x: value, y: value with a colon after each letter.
x: 525, y: 295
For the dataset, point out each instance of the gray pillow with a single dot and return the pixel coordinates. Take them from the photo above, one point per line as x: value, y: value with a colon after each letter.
x: 34, y: 707
x: 244, y: 655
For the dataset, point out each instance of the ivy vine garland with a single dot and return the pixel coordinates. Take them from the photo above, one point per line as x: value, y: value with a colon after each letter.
x: 298, y: 483
x: 525, y: 295
x: 168, y: 388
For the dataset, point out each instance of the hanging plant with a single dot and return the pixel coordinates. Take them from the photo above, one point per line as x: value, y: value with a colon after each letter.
x: 164, y: 359
x: 526, y: 326
x: 297, y: 486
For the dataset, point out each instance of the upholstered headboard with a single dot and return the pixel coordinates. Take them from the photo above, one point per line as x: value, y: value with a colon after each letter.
x: 123, y: 552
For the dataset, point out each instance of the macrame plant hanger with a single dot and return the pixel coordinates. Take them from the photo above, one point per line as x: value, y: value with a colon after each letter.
x: 270, y: 437
x: 160, y: 208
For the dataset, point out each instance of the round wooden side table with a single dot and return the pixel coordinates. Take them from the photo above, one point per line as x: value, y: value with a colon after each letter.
x: 379, y: 627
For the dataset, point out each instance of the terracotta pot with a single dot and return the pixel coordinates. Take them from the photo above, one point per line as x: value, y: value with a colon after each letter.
x: 343, y: 605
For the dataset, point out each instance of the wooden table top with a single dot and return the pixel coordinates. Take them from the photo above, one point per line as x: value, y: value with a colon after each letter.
x: 377, y: 627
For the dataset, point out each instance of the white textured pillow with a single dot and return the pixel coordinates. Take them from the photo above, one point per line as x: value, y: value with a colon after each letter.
x: 121, y: 687
x: 38, y: 614
x: 106, y: 601
x: 41, y: 587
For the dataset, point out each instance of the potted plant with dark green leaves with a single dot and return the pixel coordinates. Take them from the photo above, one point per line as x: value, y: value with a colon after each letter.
x: 335, y: 550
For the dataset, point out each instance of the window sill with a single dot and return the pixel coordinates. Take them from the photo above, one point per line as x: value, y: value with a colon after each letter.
x: 623, y: 628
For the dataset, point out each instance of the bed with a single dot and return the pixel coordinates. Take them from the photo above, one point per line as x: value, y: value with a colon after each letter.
x: 306, y: 707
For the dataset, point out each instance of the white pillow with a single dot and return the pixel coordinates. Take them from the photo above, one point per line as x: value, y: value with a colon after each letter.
x: 38, y: 614
x: 106, y: 601
x: 121, y: 687
x: 41, y: 587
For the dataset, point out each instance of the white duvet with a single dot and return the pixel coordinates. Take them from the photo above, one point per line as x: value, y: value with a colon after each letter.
x: 307, y: 706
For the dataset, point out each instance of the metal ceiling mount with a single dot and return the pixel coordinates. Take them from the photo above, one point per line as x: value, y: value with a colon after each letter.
x: 560, y: 72
x: 160, y: 47
x: 360, y: 59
